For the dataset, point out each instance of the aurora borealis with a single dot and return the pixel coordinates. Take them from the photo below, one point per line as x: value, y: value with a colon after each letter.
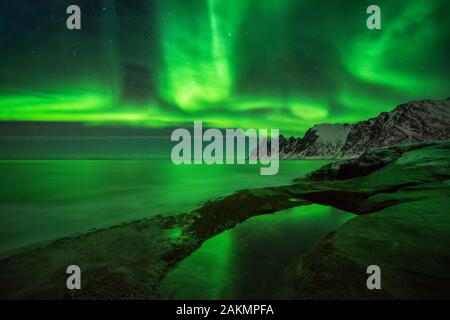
x: 286, y: 64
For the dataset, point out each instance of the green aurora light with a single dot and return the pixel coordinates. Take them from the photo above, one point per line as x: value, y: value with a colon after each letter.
x: 254, y: 63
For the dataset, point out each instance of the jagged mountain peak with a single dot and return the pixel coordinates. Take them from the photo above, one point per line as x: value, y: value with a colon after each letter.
x: 415, y: 121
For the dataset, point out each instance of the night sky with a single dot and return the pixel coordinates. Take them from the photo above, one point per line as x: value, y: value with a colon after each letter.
x: 286, y: 64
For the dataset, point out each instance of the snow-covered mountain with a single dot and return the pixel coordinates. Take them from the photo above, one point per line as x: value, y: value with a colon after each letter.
x: 321, y: 141
x: 416, y: 121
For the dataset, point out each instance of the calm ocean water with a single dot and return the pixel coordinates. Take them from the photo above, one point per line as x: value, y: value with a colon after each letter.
x: 43, y: 200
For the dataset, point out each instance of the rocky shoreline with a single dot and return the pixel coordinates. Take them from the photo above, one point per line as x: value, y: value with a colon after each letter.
x: 401, y: 194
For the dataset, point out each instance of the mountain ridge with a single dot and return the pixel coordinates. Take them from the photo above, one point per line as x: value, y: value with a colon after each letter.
x: 414, y: 121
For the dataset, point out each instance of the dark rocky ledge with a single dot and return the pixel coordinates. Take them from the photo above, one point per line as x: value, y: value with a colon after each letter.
x: 401, y: 194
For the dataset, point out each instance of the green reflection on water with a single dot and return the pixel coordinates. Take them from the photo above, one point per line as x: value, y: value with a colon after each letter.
x: 42, y: 200
x: 247, y: 262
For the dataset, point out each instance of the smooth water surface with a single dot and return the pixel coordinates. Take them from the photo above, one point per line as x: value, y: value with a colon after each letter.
x: 248, y: 261
x: 42, y: 200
